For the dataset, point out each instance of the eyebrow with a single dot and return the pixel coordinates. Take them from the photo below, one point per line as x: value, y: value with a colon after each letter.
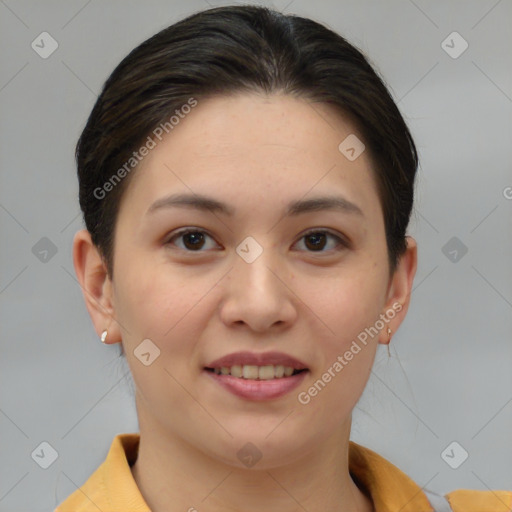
x: 206, y: 203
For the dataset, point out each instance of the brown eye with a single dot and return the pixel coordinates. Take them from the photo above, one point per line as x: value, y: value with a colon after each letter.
x: 193, y: 240
x: 316, y: 241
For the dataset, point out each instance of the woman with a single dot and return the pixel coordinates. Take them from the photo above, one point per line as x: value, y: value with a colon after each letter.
x: 246, y: 182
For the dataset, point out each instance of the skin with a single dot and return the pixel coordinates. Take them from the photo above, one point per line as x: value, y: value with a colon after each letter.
x: 256, y: 153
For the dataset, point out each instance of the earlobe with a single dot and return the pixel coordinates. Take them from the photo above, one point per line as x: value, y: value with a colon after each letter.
x: 400, y: 288
x: 96, y: 285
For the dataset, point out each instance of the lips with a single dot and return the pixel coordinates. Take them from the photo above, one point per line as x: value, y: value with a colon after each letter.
x: 257, y: 376
x: 257, y: 359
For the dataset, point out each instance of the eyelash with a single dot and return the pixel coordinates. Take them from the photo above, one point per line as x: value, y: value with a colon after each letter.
x: 342, y: 244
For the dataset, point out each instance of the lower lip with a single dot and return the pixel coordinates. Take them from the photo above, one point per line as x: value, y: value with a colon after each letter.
x: 252, y: 389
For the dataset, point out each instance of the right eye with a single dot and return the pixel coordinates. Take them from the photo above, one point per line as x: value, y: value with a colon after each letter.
x: 193, y: 239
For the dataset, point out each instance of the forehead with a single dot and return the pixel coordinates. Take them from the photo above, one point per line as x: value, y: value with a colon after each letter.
x: 254, y: 146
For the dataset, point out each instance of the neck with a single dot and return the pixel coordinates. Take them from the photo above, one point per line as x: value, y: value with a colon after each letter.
x: 173, y: 476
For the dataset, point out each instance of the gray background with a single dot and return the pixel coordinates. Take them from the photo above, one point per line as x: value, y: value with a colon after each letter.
x: 449, y: 378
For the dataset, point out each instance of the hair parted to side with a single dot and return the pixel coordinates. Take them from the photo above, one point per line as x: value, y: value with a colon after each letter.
x: 236, y: 49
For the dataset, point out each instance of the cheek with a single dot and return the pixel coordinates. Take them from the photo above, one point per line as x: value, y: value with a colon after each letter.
x: 161, y: 303
x: 160, y: 306
x: 345, y: 301
x: 348, y: 307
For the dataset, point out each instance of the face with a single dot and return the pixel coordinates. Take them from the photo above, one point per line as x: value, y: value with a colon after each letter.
x: 254, y: 276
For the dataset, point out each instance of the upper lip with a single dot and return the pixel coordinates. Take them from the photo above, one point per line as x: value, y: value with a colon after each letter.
x: 257, y: 359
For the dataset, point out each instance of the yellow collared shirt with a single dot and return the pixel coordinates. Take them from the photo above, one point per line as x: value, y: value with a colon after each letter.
x: 112, y: 488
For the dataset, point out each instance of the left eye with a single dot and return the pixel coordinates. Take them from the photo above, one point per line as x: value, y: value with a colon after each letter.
x: 317, y: 239
x: 194, y: 240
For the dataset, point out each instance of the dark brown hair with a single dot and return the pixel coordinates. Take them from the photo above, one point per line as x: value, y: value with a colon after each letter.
x: 236, y: 49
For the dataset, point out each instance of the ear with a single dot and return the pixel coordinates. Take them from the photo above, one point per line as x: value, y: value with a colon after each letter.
x: 96, y: 286
x: 399, y: 290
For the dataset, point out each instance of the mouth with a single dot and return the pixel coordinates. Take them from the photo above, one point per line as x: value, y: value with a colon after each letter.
x: 256, y: 389
x: 254, y: 372
x: 257, y: 376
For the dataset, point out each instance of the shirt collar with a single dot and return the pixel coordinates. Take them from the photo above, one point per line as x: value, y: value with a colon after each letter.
x: 112, y: 486
x: 388, y: 487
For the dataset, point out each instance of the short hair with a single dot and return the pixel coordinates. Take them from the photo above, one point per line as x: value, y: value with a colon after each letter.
x: 235, y: 49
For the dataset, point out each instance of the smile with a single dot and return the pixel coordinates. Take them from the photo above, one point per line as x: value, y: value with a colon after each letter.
x: 248, y: 371
x: 239, y: 380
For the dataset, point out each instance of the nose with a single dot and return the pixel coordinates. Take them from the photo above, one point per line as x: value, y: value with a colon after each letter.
x: 259, y: 295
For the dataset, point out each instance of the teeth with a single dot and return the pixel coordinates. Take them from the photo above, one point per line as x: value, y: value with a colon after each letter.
x: 266, y: 372
x: 248, y: 371
x: 287, y: 371
x: 236, y: 371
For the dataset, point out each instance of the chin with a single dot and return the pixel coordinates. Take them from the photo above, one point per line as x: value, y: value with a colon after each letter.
x: 257, y: 450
